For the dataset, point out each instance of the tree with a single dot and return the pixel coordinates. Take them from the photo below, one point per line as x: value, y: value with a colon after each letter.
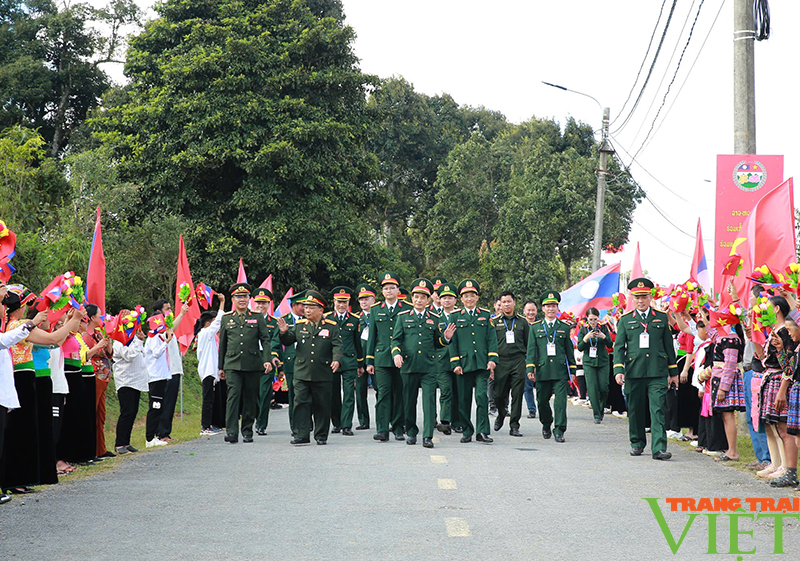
x: 249, y: 119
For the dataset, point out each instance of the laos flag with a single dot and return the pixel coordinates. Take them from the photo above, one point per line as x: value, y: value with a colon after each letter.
x: 595, y: 291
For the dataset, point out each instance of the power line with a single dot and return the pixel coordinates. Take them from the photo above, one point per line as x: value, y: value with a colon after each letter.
x: 652, y: 66
x: 627, y: 169
x: 659, y: 240
x: 639, y: 73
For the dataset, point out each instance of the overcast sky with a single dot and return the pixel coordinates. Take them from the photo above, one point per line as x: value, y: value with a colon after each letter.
x: 496, y: 54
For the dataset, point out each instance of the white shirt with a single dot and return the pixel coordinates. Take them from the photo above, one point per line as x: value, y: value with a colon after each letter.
x: 155, y: 357
x: 8, y: 393
x: 130, y: 370
x: 208, y: 349
x: 56, y: 364
x: 174, y: 356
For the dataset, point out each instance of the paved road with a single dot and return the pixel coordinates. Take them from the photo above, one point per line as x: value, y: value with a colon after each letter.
x: 355, y: 499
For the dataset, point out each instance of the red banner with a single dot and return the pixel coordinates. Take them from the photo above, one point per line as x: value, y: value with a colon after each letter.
x: 741, y: 181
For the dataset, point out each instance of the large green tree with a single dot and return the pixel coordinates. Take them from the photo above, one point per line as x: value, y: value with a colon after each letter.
x: 249, y: 119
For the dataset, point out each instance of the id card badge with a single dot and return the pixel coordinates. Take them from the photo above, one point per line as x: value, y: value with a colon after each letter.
x: 551, y: 349
x: 365, y: 334
x: 510, y: 337
x: 592, y: 352
x: 644, y: 340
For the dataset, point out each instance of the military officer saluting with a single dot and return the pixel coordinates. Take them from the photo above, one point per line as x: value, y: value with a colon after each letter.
x: 366, y: 298
x: 344, y: 379
x: 262, y: 298
x: 389, y: 404
x: 473, y: 354
x: 245, y: 355
x: 318, y: 355
x: 644, y: 360
x: 550, y: 363
x: 416, y: 337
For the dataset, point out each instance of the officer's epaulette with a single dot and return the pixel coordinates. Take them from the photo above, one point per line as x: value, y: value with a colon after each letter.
x: 302, y: 320
x: 404, y: 312
x: 537, y: 322
x: 326, y: 314
x: 287, y: 316
x: 330, y: 321
x: 434, y: 314
x: 376, y: 304
x: 627, y: 313
x: 229, y: 313
x: 485, y: 310
x: 455, y: 310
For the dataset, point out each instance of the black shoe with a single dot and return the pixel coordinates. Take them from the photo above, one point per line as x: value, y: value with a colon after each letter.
x: 232, y: 438
x: 381, y: 436
x: 636, y: 451
x: 427, y: 442
x: 322, y: 442
x: 662, y: 455
x: 459, y: 430
x: 21, y: 490
x: 97, y: 459
x: 411, y: 440
x: 336, y: 430
x: 247, y: 439
x: 363, y: 427
x: 300, y: 441
x: 131, y: 448
x: 598, y: 421
x: 444, y: 429
x: 483, y: 438
x: 399, y: 436
x: 109, y: 454
x: 546, y: 433
x: 515, y: 432
x: 347, y: 432
x: 559, y: 437
x: 531, y: 414
x: 498, y: 424
x: 261, y: 432
x: 465, y: 439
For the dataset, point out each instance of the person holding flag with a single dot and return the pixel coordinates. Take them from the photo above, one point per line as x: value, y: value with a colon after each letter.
x: 175, y: 361
x: 155, y: 357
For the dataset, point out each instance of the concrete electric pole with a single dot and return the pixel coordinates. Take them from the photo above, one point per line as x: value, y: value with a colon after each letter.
x: 744, y: 78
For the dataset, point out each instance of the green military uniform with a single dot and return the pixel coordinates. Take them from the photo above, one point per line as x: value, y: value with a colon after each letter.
x: 389, y: 401
x: 265, y: 392
x: 473, y: 346
x: 245, y: 344
x: 645, y: 355
x: 445, y: 377
x: 595, y: 368
x: 362, y: 382
x: 509, y: 376
x: 288, y: 357
x: 551, y: 357
x: 344, y: 379
x: 317, y: 346
x: 416, y: 337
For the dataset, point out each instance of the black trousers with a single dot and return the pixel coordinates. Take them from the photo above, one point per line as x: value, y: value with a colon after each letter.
x: 48, y: 474
x: 128, y: 409
x: 207, y: 411
x: 157, y: 392
x: 312, y: 398
x: 3, y: 413
x: 220, y: 408
x: 168, y: 407
x: 21, y: 451
x: 57, y: 401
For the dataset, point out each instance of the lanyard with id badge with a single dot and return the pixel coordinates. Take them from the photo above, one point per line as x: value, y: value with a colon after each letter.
x: 551, y: 341
x: 644, y: 337
x: 510, y: 332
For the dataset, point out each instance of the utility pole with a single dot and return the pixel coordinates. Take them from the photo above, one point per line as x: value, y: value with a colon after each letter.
x: 744, y: 82
x: 605, y: 150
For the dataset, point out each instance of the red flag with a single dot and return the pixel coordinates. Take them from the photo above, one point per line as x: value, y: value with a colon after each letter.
x: 767, y: 237
x: 268, y: 285
x: 636, y: 272
x: 96, y: 275
x: 241, y: 277
x: 185, y: 331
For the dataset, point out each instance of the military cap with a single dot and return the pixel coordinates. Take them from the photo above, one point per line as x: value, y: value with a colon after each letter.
x: 364, y: 290
x: 447, y: 289
x: 262, y: 295
x: 314, y: 298
x: 437, y: 282
x: 342, y: 293
x: 469, y: 285
x: 551, y: 297
x: 403, y: 294
x: 423, y: 286
x: 241, y: 288
x: 389, y: 277
x: 640, y: 286
x: 298, y: 298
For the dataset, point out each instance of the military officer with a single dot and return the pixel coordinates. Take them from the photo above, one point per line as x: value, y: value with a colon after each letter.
x: 473, y: 355
x: 509, y: 376
x: 550, y: 364
x: 262, y: 298
x: 445, y: 377
x: 318, y: 354
x: 245, y: 355
x: 366, y: 298
x: 416, y: 337
x: 436, y: 304
x: 644, y: 361
x: 291, y: 319
x: 404, y: 294
x: 343, y: 404
x: 389, y: 403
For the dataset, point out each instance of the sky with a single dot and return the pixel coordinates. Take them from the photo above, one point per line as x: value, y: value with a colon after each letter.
x: 496, y: 54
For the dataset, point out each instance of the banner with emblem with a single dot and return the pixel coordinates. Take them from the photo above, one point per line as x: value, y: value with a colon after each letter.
x: 741, y: 182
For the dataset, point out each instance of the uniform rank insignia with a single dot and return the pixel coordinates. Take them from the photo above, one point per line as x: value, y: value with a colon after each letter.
x: 430, y: 321
x: 252, y: 321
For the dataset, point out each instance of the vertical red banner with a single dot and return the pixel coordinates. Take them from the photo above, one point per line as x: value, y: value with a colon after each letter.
x: 742, y: 179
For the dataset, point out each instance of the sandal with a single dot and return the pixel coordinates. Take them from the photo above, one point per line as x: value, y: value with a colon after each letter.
x: 725, y: 458
x: 785, y: 480
x: 685, y: 438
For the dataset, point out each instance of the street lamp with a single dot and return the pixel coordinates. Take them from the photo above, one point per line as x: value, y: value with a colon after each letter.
x: 605, y: 150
